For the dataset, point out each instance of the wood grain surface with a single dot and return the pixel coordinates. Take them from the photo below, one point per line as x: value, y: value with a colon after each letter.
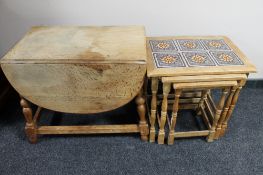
x: 43, y: 44
x: 78, y: 69
x: 77, y: 88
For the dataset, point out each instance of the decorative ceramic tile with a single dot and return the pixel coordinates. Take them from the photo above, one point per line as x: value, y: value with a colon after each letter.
x: 189, y: 44
x: 168, y: 60
x: 215, y: 44
x: 193, y: 53
x: 226, y: 58
x: 198, y: 59
x: 162, y: 45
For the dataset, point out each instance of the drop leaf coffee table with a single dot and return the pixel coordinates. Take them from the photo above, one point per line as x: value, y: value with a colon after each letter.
x: 79, y: 70
x: 195, y: 64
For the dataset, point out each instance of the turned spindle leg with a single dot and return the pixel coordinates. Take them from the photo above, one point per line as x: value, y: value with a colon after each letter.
x: 174, y: 117
x: 201, y: 102
x: 154, y: 88
x: 231, y: 108
x: 144, y: 130
x: 218, y: 112
x: 166, y: 90
x: 225, y: 111
x: 30, y: 128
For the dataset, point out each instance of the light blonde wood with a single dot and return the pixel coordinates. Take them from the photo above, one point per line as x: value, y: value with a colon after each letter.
x: 154, y: 88
x: 211, y: 102
x: 174, y: 116
x: 166, y: 90
x: 231, y: 107
x: 96, y: 129
x: 216, y: 84
x: 194, y: 94
x: 201, y: 105
x: 32, y: 130
x: 209, y: 78
x: 152, y: 71
x: 31, y: 127
x: 209, y: 109
x: 78, y: 88
x: 191, y: 134
x: 225, y: 111
x: 143, y: 125
x: 220, y: 106
x: 182, y: 101
x: 201, y: 102
x: 205, y: 118
x: 75, y: 44
x: 78, y: 69
x: 201, y: 78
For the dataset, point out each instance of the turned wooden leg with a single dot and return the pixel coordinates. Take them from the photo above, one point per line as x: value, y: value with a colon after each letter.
x: 166, y: 90
x: 30, y: 128
x: 174, y: 117
x: 144, y: 130
x: 154, y: 88
x: 231, y: 108
x: 225, y: 111
x: 218, y: 112
x: 201, y: 102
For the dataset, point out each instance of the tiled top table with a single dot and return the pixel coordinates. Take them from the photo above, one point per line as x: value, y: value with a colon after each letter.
x: 195, y: 56
x: 194, y: 59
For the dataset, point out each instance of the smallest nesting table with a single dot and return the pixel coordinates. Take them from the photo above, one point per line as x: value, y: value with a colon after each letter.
x: 193, y: 66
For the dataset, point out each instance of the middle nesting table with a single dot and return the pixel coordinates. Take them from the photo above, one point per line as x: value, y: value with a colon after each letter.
x: 197, y: 64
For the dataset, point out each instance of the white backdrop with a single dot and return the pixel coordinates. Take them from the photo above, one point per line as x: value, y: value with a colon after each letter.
x: 241, y: 20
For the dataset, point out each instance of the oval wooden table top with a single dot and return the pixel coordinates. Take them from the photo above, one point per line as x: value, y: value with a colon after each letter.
x: 78, y: 69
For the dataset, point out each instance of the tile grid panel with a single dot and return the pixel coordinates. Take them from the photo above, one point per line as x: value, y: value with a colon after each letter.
x: 192, y: 53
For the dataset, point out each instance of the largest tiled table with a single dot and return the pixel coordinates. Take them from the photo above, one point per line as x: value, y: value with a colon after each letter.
x: 188, y: 59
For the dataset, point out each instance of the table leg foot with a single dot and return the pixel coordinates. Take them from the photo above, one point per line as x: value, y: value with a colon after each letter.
x: 31, y: 134
x: 152, y: 135
x: 144, y: 130
x: 161, y: 137
x: 171, y: 138
x: 217, y: 134
x: 210, y: 137
x: 223, y: 130
x: 30, y: 128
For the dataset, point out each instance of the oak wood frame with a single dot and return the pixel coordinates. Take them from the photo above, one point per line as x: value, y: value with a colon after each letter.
x: 211, y: 127
x: 201, y: 101
x: 207, y: 108
x: 228, y: 109
x: 32, y: 130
